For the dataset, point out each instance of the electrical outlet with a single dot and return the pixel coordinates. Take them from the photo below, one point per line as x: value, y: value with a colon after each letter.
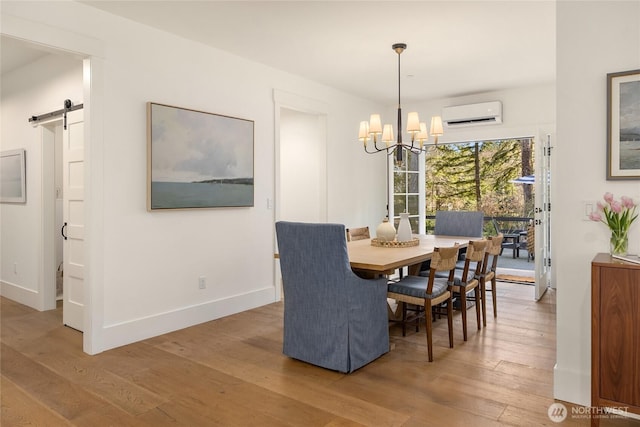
x: 202, y: 282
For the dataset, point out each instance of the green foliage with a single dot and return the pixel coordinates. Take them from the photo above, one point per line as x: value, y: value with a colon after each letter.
x: 476, y: 175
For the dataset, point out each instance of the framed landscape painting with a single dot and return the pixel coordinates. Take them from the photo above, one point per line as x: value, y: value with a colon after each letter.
x: 197, y: 159
x: 623, y: 125
x: 13, y: 188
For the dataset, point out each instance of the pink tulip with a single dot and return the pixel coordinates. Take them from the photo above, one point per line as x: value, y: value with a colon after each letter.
x: 617, y: 215
x: 608, y: 197
x: 627, y: 202
x: 616, y: 206
x: 595, y: 216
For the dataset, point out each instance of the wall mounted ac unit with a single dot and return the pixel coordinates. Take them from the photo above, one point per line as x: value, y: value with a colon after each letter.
x: 484, y: 113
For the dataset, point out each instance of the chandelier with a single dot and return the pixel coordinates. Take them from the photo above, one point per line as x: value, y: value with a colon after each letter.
x: 373, y: 130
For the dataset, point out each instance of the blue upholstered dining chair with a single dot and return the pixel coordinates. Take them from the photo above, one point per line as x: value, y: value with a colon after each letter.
x: 459, y: 223
x: 456, y: 223
x: 332, y: 318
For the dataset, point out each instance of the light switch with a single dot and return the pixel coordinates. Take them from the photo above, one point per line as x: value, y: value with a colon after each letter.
x: 589, y: 207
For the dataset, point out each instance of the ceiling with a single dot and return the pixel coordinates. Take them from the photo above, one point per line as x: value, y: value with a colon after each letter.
x: 455, y: 48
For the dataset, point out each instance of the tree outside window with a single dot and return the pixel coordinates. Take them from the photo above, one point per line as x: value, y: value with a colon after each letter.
x: 466, y: 176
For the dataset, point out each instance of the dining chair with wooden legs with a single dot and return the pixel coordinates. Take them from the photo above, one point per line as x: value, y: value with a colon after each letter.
x: 488, y: 274
x: 469, y: 280
x: 456, y: 223
x: 358, y: 233
x: 428, y: 293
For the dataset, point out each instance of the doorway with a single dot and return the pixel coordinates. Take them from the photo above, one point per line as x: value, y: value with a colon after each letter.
x: 91, y: 52
x: 300, y: 164
x: 63, y: 215
x: 303, y: 183
x: 52, y: 191
x: 486, y: 175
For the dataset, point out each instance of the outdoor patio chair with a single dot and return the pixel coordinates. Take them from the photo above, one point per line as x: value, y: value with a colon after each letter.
x: 511, y: 239
x: 531, y: 242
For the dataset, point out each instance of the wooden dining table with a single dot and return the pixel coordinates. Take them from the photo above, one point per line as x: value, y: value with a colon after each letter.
x: 373, y: 261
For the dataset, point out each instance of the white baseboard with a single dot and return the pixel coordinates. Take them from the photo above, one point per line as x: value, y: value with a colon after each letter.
x: 572, y: 386
x: 17, y: 293
x: 136, y: 330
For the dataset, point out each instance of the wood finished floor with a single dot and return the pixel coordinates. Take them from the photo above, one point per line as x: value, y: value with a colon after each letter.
x: 231, y: 372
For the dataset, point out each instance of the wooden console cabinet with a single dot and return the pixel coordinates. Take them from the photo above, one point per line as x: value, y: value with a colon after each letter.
x: 615, y: 335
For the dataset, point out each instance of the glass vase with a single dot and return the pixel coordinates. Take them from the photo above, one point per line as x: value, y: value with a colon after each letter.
x: 619, y: 244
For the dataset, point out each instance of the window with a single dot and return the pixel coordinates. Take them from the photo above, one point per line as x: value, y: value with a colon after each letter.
x: 463, y: 176
x: 408, y: 194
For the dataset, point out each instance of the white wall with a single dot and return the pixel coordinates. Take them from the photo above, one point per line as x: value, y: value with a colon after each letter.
x: 593, y: 39
x: 527, y: 111
x: 144, y: 267
x: 36, y: 89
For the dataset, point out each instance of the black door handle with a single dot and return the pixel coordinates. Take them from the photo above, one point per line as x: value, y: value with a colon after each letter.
x: 62, y: 231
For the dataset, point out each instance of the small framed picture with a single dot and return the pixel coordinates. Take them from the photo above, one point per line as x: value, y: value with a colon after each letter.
x: 623, y: 125
x: 13, y: 188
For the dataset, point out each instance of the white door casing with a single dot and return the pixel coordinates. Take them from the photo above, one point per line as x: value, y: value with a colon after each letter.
x: 73, y: 217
